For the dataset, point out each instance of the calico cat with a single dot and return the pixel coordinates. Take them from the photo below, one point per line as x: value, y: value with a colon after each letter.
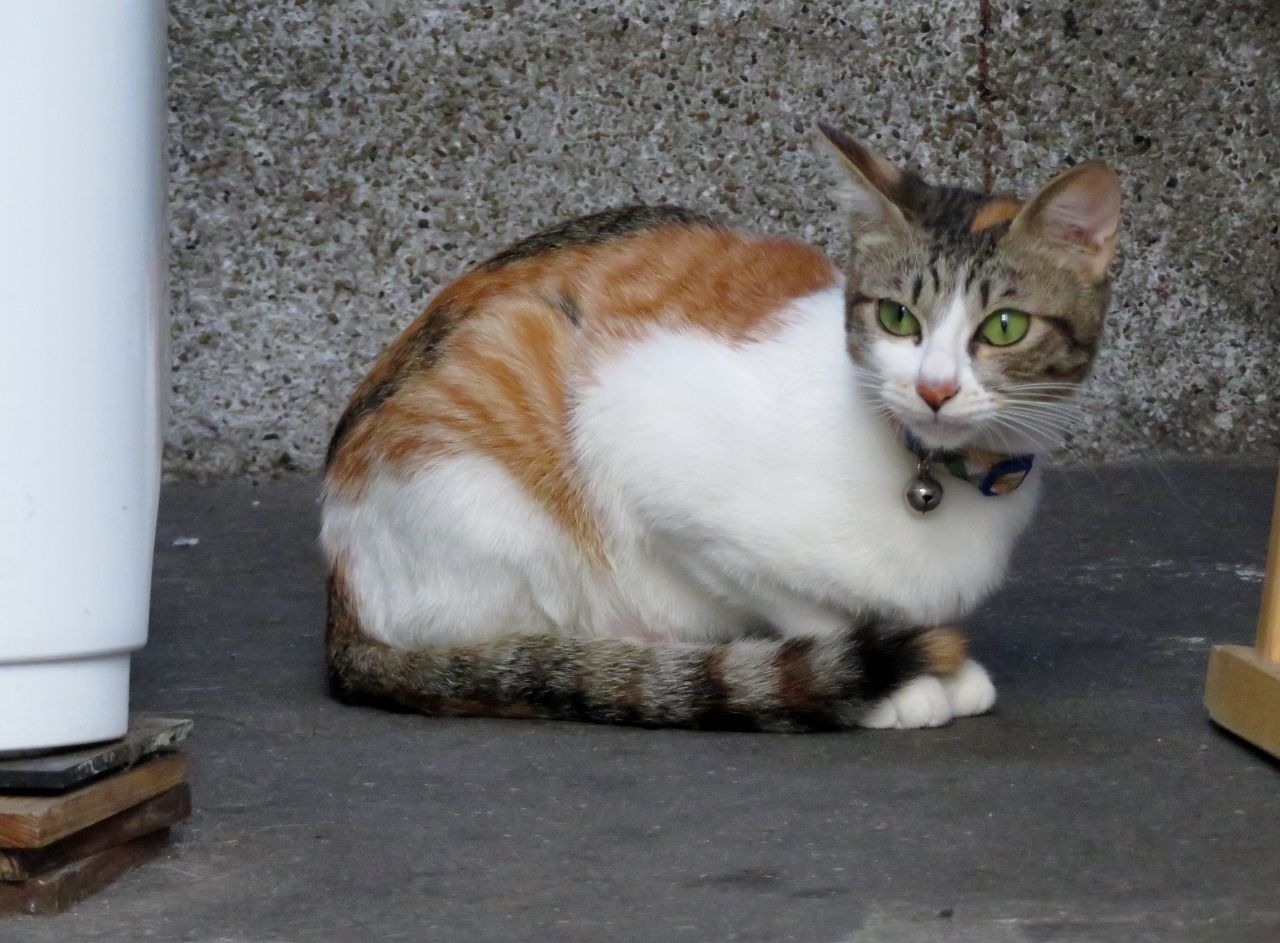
x: 641, y: 468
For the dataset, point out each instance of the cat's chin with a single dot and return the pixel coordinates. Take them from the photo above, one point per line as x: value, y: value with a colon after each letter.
x: 935, y: 434
x: 944, y: 435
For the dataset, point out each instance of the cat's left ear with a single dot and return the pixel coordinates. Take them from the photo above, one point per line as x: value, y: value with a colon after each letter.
x: 1078, y: 214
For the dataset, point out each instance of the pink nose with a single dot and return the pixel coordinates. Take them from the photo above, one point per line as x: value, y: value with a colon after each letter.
x: 935, y: 394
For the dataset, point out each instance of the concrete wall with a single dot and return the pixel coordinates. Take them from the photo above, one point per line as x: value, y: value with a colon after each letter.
x: 334, y: 163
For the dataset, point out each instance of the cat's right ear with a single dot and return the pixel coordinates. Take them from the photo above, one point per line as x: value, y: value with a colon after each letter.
x: 868, y: 185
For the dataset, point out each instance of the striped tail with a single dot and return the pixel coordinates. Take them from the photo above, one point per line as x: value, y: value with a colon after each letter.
x: 787, y: 685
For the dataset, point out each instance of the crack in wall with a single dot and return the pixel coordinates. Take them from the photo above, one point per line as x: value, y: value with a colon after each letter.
x: 986, y: 129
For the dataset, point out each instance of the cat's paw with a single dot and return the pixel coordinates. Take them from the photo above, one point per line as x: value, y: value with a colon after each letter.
x: 930, y: 701
x: 922, y: 702
x: 969, y: 690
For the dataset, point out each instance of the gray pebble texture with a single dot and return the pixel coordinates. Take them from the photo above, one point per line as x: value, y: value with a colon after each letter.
x: 333, y: 164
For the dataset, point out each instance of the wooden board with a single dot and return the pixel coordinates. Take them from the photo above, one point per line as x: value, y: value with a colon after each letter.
x: 57, y: 771
x: 36, y: 821
x: 1268, y: 645
x: 54, y: 892
x: 1242, y: 693
x: 168, y: 808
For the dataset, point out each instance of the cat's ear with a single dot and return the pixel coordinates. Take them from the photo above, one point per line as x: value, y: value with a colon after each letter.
x: 868, y: 185
x: 1077, y: 214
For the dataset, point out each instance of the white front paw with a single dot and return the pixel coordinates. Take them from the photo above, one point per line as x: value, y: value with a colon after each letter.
x: 922, y: 702
x: 969, y: 690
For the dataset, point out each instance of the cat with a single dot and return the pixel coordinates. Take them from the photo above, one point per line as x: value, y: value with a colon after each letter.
x: 642, y: 468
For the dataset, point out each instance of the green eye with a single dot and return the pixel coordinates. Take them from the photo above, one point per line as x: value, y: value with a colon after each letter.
x: 896, y: 319
x: 1005, y: 327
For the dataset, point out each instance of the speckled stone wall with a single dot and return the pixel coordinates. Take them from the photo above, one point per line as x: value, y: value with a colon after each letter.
x: 334, y: 163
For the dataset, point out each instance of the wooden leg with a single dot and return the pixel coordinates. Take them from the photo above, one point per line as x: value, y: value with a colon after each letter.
x: 1242, y: 691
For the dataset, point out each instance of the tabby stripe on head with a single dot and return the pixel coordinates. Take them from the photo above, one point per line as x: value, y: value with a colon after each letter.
x: 851, y: 302
x: 1069, y: 332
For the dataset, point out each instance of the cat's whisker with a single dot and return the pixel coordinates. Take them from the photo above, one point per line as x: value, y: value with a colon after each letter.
x: 1036, y: 409
x: 1003, y: 439
x: 1050, y: 389
x: 1047, y: 409
x: 1047, y: 396
x: 1045, y: 385
x: 1046, y: 437
x: 1042, y: 409
x: 1057, y: 423
x: 1049, y: 404
x: 1050, y: 420
x: 1046, y: 400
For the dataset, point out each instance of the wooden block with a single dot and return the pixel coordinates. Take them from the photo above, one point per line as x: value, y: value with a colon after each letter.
x: 168, y: 808
x: 35, y: 821
x: 1268, y: 645
x: 54, y: 772
x: 54, y: 892
x: 1242, y: 693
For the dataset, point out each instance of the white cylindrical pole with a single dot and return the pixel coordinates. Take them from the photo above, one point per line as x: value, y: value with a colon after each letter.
x: 82, y: 311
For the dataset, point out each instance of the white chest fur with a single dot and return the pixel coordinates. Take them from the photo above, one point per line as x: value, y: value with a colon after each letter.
x: 761, y: 472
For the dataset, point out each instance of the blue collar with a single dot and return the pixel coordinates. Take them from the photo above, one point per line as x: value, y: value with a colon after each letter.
x: 990, y: 472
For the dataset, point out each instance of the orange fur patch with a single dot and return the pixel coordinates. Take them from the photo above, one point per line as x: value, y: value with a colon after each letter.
x: 725, y: 283
x: 945, y: 649
x: 500, y: 383
x: 999, y: 210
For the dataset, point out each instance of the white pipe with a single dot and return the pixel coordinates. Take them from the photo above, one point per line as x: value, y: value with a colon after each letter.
x: 82, y: 312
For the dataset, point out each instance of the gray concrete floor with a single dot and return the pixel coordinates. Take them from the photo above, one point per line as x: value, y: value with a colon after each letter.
x: 1096, y: 804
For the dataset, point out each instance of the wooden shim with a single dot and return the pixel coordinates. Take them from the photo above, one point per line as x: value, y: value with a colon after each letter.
x: 35, y: 821
x: 64, y: 769
x: 168, y: 808
x: 1242, y: 694
x: 1268, y: 643
x: 54, y: 892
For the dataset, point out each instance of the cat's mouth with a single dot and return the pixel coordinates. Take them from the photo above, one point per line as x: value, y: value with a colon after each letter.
x: 941, y: 432
x: 971, y: 424
x: 986, y: 433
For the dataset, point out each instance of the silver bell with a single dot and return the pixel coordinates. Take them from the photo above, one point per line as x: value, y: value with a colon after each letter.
x: 924, y: 492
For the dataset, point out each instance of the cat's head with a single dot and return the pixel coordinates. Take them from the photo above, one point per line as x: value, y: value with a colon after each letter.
x: 972, y: 317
